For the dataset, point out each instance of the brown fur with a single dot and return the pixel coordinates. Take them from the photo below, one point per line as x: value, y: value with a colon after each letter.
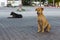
x: 43, y: 24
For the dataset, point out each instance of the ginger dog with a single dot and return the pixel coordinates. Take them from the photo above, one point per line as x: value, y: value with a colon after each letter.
x: 43, y: 24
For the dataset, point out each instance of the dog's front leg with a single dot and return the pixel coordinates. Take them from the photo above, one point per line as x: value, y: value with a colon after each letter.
x: 39, y: 29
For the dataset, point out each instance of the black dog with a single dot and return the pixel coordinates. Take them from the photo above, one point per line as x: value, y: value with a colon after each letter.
x: 14, y: 15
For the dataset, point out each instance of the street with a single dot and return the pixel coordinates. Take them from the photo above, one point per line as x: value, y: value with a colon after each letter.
x: 26, y: 28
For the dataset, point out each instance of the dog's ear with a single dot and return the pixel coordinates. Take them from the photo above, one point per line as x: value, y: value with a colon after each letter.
x: 42, y: 8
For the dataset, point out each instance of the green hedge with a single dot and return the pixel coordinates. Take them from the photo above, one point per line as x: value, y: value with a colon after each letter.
x: 50, y: 1
x: 26, y: 2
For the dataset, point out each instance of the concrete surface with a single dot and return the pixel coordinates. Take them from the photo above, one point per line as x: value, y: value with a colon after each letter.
x: 26, y: 28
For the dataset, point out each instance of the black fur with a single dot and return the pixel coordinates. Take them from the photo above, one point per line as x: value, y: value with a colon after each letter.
x: 15, y: 15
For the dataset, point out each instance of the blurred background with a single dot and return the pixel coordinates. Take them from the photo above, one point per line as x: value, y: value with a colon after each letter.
x: 14, y: 3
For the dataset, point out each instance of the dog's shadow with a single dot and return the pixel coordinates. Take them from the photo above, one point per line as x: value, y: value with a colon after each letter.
x: 10, y: 17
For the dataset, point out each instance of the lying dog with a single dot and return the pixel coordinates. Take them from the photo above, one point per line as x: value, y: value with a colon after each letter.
x: 14, y: 15
x: 43, y: 24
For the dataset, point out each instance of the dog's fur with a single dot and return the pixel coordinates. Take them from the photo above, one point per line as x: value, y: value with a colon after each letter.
x: 15, y: 15
x: 43, y: 24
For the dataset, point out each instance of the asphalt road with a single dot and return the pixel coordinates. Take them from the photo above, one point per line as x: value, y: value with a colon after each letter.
x: 26, y: 28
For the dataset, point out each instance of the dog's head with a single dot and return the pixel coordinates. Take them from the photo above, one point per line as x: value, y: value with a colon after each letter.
x: 12, y: 13
x: 39, y: 10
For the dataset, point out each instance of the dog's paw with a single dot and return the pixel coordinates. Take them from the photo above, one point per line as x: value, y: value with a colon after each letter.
x: 38, y: 31
x: 42, y: 31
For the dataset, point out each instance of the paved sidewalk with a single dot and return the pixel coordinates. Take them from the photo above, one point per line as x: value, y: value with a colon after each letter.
x: 26, y: 28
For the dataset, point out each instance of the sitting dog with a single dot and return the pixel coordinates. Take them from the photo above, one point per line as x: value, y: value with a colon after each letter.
x: 43, y: 24
x: 14, y: 15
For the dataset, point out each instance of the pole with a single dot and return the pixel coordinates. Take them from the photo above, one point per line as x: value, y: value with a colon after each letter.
x: 40, y: 3
x: 53, y: 2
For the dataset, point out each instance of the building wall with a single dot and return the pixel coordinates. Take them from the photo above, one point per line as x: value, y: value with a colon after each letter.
x: 3, y: 3
x: 14, y: 2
